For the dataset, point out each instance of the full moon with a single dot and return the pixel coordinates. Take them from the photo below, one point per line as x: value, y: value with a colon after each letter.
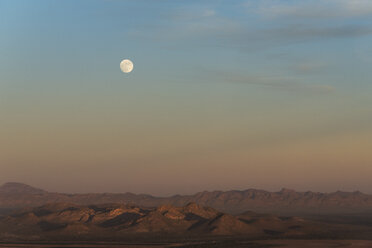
x: 126, y: 66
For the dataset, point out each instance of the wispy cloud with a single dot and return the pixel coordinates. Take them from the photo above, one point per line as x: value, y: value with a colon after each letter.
x: 306, y: 32
x: 203, y: 22
x: 283, y: 83
x: 311, y: 8
x: 309, y: 67
x: 191, y: 15
x: 189, y: 25
x: 207, y: 27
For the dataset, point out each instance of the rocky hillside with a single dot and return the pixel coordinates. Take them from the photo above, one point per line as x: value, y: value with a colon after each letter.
x: 284, y: 202
x: 65, y: 222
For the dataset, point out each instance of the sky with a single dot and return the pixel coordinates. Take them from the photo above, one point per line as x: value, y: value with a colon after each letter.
x: 224, y: 95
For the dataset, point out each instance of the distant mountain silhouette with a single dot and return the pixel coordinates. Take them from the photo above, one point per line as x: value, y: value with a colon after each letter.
x: 285, y: 202
x: 19, y: 188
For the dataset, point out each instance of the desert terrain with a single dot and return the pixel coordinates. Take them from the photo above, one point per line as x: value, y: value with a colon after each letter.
x: 33, y: 217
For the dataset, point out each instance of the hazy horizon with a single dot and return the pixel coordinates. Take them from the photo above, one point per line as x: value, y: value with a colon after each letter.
x: 170, y: 193
x: 224, y: 95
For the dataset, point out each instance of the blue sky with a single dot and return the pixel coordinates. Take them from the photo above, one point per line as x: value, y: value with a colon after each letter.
x: 214, y: 84
x: 261, y: 38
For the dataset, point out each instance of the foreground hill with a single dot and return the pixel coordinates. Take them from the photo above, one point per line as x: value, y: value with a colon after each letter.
x: 64, y: 222
x: 285, y: 202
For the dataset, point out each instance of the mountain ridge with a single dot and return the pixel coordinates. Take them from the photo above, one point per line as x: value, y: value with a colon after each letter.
x: 285, y: 201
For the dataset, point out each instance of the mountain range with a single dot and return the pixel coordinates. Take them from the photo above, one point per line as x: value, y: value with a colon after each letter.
x: 284, y: 202
x: 119, y: 222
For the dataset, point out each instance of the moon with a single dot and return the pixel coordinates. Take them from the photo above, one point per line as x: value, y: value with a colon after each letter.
x: 126, y: 66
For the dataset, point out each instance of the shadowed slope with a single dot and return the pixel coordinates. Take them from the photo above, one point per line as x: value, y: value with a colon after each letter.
x: 64, y: 221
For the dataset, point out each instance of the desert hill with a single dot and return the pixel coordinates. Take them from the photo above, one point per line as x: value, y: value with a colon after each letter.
x: 64, y: 221
x: 284, y: 202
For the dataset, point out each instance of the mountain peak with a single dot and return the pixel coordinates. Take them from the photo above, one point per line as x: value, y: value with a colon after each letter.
x: 19, y: 188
